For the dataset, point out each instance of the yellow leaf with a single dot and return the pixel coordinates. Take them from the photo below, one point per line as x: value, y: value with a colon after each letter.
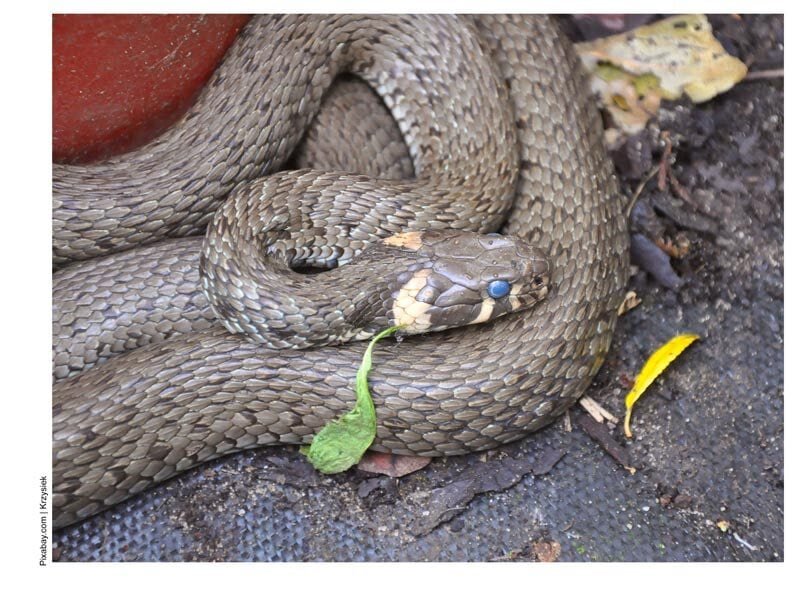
x: 657, y: 362
x: 662, y: 60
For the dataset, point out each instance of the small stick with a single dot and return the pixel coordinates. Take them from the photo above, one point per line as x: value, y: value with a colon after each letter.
x: 597, y: 411
x: 567, y: 423
x: 744, y: 542
x: 766, y: 74
x: 640, y: 187
x: 664, y: 165
x: 683, y: 193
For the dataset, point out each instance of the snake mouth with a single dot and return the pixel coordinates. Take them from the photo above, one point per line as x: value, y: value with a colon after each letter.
x: 523, y: 295
x: 417, y: 316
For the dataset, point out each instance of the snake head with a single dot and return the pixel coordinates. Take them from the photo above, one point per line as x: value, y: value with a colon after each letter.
x: 465, y: 278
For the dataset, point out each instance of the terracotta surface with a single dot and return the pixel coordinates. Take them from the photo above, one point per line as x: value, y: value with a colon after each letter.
x: 120, y: 80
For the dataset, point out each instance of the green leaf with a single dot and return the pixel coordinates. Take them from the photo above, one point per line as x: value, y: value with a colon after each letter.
x: 341, y: 443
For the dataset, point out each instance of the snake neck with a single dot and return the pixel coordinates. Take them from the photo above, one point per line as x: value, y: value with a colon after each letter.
x: 421, y: 281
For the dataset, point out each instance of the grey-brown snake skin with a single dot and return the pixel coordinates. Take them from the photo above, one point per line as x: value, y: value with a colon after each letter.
x: 161, y: 408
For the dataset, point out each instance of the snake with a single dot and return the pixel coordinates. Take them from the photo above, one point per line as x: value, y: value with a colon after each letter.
x: 502, y: 134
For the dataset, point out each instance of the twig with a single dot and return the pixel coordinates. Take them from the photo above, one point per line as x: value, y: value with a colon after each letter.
x: 765, y: 74
x: 453, y: 508
x: 639, y: 189
x: 597, y: 411
x: 511, y: 555
x: 664, y: 164
x: 744, y: 543
x: 683, y: 193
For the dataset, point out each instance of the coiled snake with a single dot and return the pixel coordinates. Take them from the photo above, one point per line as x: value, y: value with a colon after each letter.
x: 501, y: 132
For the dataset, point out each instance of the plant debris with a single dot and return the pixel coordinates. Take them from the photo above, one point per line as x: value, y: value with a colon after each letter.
x: 597, y: 411
x: 630, y: 302
x: 655, y: 365
x: 546, y: 550
x: 393, y: 465
x: 632, y: 72
x: 599, y: 433
x: 342, y: 443
x: 444, y: 503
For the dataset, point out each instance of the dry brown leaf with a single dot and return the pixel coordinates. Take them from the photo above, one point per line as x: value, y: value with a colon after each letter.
x: 630, y: 301
x: 393, y: 465
x: 546, y: 550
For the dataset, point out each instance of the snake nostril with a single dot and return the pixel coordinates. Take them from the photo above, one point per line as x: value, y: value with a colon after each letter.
x: 538, y: 280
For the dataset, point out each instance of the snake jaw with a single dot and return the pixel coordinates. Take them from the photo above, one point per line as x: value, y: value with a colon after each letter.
x: 487, y: 309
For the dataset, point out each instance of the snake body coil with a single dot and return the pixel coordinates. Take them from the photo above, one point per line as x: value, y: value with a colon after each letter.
x: 161, y: 408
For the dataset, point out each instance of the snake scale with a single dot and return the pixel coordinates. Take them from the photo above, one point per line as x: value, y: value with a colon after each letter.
x: 501, y: 132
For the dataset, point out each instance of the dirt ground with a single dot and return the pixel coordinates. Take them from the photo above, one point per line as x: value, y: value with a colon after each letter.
x: 708, y: 447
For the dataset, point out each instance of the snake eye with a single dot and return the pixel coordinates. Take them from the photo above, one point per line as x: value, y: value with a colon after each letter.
x: 498, y: 288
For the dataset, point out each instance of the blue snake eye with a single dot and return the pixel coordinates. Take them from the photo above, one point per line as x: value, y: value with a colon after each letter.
x: 498, y: 288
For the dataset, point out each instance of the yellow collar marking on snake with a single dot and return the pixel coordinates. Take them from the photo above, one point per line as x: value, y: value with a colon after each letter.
x: 412, y: 240
x: 513, y: 297
x: 409, y: 312
x: 487, y: 306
